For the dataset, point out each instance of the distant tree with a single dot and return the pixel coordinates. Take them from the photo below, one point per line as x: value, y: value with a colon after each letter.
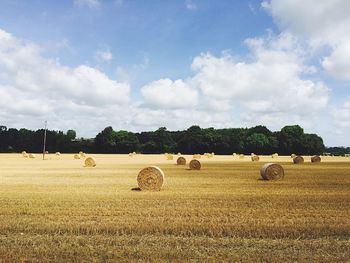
x: 126, y: 142
x: 149, y: 147
x: 163, y: 140
x: 105, y: 141
x: 71, y: 134
x: 3, y: 141
x: 312, y: 144
x: 37, y: 143
x: 218, y: 141
x: 25, y: 140
x: 258, y: 139
x: 12, y: 139
x: 290, y: 140
x: 3, y: 128
x: 257, y: 143
x: 238, y: 140
x: 192, y: 141
x: 273, y: 145
x: 337, y: 151
x: 259, y: 129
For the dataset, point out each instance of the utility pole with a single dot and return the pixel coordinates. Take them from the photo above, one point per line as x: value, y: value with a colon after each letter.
x: 44, y: 148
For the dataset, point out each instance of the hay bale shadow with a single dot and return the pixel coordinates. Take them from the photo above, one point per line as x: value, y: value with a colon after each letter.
x: 136, y: 189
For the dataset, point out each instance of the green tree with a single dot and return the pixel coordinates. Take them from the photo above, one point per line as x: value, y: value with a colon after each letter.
x: 126, y: 142
x: 71, y: 134
x: 312, y: 144
x: 149, y: 147
x: 290, y: 139
x: 3, y: 142
x: 12, y: 139
x: 163, y: 140
x: 105, y: 141
x: 259, y: 129
x: 192, y: 141
x: 257, y: 143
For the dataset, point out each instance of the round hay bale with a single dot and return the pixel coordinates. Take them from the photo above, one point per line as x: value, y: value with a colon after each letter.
x: 241, y: 156
x: 76, y: 156
x: 315, y: 159
x: 275, y: 155
x: 170, y: 157
x: 25, y: 155
x: 32, y: 156
x: 272, y: 171
x: 90, y: 162
x: 293, y: 155
x: 134, y: 153
x: 181, y: 161
x: 150, y: 178
x: 82, y: 154
x: 46, y: 152
x: 131, y: 155
x: 234, y: 154
x: 298, y: 159
x: 255, y: 158
x: 195, y: 164
x: 58, y: 153
x: 179, y: 154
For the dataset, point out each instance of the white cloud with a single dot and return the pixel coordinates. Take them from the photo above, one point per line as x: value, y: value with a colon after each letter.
x: 341, y: 115
x: 87, y: 3
x: 104, y: 55
x: 338, y: 63
x: 31, y: 85
x: 167, y: 94
x: 339, y: 124
x: 271, y: 89
x: 325, y: 21
x: 271, y: 83
x: 322, y: 23
x: 347, y: 104
x: 190, y: 5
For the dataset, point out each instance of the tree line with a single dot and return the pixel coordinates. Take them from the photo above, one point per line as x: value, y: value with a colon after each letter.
x: 258, y: 140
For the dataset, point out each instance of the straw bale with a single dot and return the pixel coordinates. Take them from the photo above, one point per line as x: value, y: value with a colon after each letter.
x: 150, y: 178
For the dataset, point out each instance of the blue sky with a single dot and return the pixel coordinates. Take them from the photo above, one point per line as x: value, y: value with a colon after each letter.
x: 139, y: 65
x: 168, y: 34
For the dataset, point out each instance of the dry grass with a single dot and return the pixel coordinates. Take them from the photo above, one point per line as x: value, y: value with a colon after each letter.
x: 55, y: 210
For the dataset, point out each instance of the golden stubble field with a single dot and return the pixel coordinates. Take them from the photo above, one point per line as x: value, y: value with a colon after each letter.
x: 57, y: 210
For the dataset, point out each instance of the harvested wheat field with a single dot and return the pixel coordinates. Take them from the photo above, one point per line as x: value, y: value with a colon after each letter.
x: 57, y: 210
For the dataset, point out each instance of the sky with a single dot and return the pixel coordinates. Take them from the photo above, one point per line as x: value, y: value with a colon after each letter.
x: 139, y: 65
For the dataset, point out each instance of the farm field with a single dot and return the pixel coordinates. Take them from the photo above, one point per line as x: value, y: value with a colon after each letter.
x: 58, y: 210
